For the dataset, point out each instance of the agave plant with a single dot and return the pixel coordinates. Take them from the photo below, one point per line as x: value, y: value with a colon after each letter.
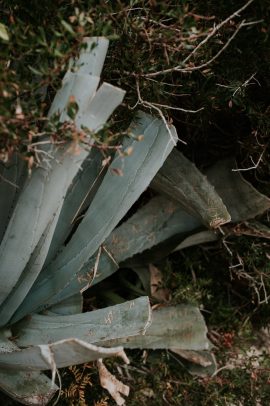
x: 60, y: 236
x: 43, y: 276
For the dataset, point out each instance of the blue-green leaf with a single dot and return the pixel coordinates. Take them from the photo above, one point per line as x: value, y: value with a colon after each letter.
x: 123, y: 320
x: 113, y: 199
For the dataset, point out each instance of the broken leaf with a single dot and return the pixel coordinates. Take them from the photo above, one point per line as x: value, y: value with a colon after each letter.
x: 242, y: 200
x: 182, y: 181
x: 180, y: 326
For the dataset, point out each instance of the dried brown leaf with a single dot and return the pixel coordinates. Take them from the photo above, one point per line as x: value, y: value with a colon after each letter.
x: 112, y: 384
x: 156, y: 285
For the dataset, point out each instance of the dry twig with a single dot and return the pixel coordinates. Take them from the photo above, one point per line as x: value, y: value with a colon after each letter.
x: 215, y: 29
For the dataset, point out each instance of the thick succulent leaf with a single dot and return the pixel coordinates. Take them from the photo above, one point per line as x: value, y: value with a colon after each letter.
x: 240, y: 197
x: 71, y: 305
x: 83, y: 80
x: 100, y: 107
x: 92, y: 56
x: 144, y: 277
x: 78, y: 198
x: 197, y: 238
x: 113, y: 199
x: 179, y: 326
x: 81, y: 87
x: 43, y: 196
x: 38, y: 203
x: 123, y: 320
x: 198, y: 363
x: 29, y: 274
x: 12, y: 178
x: 56, y: 355
x: 155, y: 222
x: 182, y: 181
x: 99, y: 266
x: 27, y: 387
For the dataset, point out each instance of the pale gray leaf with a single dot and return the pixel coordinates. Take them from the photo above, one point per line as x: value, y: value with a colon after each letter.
x: 197, y: 363
x: 113, y: 199
x: 30, y: 273
x: 12, y: 178
x: 180, y: 326
x: 182, y: 181
x: 63, y: 353
x: 38, y: 203
x: 81, y: 87
x: 123, y: 320
x: 71, y: 305
x: 92, y: 56
x: 27, y: 387
x: 78, y: 197
x: 240, y: 197
x: 100, y: 107
x: 196, y: 239
x: 155, y: 222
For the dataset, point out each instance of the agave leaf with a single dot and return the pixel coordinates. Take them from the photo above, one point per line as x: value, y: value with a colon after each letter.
x: 56, y: 355
x: 113, y: 199
x: 99, y: 109
x: 78, y: 198
x: 155, y: 222
x: 80, y: 87
x: 43, y: 197
x: 29, y: 274
x: 196, y: 239
x: 38, y: 203
x: 126, y: 319
x: 71, y: 305
x: 198, y: 363
x: 180, y: 326
x: 94, y: 116
x: 92, y: 56
x: 82, y: 83
x: 144, y: 277
x: 27, y: 387
x: 240, y: 197
x: 182, y: 181
x: 12, y: 178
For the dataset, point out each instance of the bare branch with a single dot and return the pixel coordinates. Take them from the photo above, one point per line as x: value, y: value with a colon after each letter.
x: 165, y: 106
x: 152, y: 106
x: 203, y: 65
x: 215, y: 29
x: 255, y: 165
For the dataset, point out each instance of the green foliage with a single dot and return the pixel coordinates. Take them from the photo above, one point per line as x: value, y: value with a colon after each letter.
x: 148, y: 36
